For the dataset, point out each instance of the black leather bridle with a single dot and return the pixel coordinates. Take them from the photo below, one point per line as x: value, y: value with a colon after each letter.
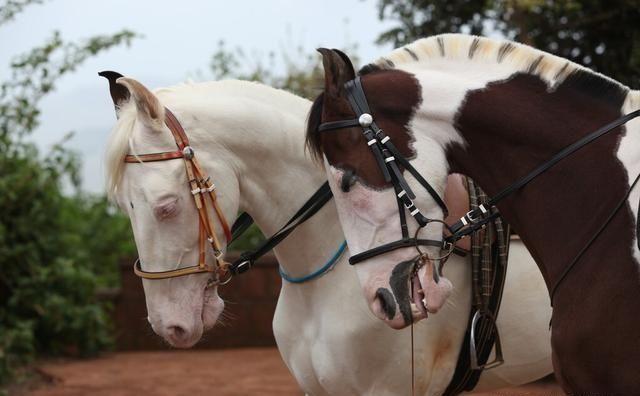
x: 388, y: 157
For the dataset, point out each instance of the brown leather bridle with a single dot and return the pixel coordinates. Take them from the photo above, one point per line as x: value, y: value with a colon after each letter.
x: 201, y: 187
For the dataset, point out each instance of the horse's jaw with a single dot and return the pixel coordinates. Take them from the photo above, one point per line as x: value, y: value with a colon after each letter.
x: 212, y: 308
x: 181, y: 319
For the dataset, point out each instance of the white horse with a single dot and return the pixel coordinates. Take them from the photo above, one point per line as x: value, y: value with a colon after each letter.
x: 250, y: 139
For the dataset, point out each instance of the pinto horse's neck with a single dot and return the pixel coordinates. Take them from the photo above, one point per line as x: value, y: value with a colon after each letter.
x: 510, y: 127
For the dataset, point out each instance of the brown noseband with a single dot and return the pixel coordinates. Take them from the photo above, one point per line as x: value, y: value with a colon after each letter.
x: 201, y: 187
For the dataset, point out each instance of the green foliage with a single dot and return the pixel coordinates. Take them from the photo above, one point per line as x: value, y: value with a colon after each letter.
x: 601, y: 34
x: 34, y: 73
x: 251, y: 238
x: 12, y: 7
x: 301, y: 72
x: 423, y: 18
x: 56, y: 249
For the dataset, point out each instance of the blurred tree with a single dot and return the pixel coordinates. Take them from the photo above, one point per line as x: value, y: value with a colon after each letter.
x: 12, y: 7
x: 55, y: 248
x: 601, y: 34
x: 302, y: 73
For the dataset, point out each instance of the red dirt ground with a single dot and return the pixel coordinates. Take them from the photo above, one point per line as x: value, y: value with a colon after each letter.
x: 257, y: 371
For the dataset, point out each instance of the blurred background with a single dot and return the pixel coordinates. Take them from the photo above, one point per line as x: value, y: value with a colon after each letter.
x: 66, y: 287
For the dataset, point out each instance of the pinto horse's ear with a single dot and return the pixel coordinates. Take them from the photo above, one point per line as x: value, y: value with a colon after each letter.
x: 119, y: 93
x: 347, y: 61
x: 337, y: 71
x: 150, y: 110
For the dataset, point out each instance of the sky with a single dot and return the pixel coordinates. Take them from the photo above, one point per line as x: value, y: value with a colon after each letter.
x: 178, y: 41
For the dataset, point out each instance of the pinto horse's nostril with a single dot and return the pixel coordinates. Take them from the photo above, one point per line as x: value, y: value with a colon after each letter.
x: 348, y: 180
x: 387, y: 302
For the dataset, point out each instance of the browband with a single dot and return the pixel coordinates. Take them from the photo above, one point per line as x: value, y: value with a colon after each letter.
x: 333, y: 125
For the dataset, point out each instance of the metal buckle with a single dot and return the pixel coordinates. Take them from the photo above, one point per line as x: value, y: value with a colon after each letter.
x: 243, y: 267
x: 470, y: 218
x: 473, y: 219
x: 447, y: 246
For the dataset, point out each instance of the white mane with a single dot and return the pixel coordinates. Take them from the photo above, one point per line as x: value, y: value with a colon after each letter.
x: 118, y: 147
x: 521, y: 57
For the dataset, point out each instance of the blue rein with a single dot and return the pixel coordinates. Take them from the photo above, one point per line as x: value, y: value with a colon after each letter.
x: 319, y: 272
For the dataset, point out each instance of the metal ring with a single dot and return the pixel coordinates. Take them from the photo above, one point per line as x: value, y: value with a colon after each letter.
x: 447, y: 246
x: 226, y: 280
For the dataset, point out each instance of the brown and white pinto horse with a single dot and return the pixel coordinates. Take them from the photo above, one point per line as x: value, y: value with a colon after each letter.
x: 494, y: 110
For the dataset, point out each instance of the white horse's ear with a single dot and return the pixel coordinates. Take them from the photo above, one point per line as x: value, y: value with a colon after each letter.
x: 150, y: 110
x: 119, y: 93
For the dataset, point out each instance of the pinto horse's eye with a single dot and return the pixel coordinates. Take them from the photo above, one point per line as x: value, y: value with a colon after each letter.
x: 348, y: 180
x: 131, y: 203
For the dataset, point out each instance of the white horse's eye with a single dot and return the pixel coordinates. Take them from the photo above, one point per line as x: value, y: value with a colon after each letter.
x: 166, y: 209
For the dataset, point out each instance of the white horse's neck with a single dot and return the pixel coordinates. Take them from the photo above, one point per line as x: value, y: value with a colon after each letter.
x: 260, y: 131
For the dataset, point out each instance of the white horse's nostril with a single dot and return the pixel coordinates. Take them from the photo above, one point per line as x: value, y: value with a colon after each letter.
x: 176, y: 332
x: 181, y: 337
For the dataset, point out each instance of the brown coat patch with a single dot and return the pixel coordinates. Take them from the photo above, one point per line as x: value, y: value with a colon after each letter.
x: 393, y: 96
x: 513, y: 126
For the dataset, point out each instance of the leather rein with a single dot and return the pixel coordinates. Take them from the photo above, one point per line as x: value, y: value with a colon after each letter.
x: 202, y: 188
x: 387, y: 155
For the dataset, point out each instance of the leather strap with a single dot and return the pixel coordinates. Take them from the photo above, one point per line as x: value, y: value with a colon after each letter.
x: 388, y: 157
x: 153, y: 157
x: 489, y: 260
x: 137, y: 269
x: 604, y: 225
x: 316, y: 202
x: 240, y: 226
x: 201, y: 188
x: 401, y: 243
x: 334, y: 125
x: 471, y: 218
